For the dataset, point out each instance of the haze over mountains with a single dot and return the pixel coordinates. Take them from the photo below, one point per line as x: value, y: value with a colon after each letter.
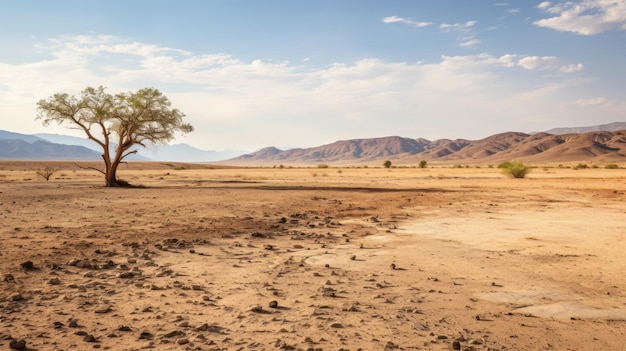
x: 44, y: 146
x: 603, y: 143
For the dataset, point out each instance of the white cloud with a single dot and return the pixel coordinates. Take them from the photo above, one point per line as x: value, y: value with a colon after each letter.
x: 466, y: 32
x: 533, y: 62
x: 572, y: 68
x: 237, y: 104
x: 586, y: 17
x: 471, y: 42
x: 591, y: 102
x: 544, y: 5
x: 396, y: 19
x: 546, y: 63
x: 460, y: 27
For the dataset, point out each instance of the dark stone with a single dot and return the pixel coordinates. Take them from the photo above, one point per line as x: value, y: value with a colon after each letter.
x: 28, y: 265
x: 17, y: 344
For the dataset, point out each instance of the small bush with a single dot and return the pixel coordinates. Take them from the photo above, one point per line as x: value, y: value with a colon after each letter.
x: 387, y: 164
x: 580, y: 166
x: 47, y: 172
x: 423, y: 164
x: 322, y: 165
x: 611, y: 166
x: 514, y: 169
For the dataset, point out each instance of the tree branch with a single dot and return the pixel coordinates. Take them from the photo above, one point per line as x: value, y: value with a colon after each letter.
x: 91, y: 168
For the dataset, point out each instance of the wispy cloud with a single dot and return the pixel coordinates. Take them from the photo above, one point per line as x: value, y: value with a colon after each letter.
x: 586, y: 17
x: 396, y: 19
x: 591, y: 102
x: 466, y: 32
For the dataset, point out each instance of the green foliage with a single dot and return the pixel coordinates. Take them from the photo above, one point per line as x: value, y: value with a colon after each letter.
x: 387, y: 164
x: 322, y: 165
x: 125, y: 120
x: 423, y: 164
x: 580, y: 166
x: 611, y: 166
x: 514, y: 169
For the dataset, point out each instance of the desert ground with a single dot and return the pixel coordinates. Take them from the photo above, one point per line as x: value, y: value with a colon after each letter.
x: 216, y: 258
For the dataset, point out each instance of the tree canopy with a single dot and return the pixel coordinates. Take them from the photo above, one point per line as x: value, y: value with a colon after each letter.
x: 116, y: 122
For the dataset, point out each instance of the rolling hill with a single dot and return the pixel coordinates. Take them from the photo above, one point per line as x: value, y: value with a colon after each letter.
x: 599, y: 146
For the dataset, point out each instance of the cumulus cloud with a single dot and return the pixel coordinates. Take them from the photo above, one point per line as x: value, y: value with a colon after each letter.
x: 229, y: 100
x: 586, y: 17
x: 396, y: 19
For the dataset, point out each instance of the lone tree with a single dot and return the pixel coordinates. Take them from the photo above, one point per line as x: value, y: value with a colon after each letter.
x: 116, y: 122
x: 387, y: 164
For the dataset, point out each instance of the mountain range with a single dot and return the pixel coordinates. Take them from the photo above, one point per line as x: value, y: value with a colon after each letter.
x: 44, y: 146
x: 602, y: 143
x: 606, y: 143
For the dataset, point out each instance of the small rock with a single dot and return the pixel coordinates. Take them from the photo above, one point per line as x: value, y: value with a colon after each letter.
x: 182, y: 341
x: 103, y: 309
x: 146, y: 335
x: 17, y: 297
x: 125, y: 328
x: 54, y: 281
x: 336, y: 325
x: 257, y: 309
x: 28, y: 265
x: 9, y: 278
x: 456, y: 345
x: 17, y: 344
x: 58, y: 325
x: 89, y: 338
x: 274, y: 304
x: 353, y: 257
x: 393, y: 266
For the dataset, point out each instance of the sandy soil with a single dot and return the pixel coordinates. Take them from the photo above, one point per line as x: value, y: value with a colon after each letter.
x: 312, y: 259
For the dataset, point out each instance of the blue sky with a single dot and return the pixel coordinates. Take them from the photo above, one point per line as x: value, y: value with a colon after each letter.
x: 250, y: 74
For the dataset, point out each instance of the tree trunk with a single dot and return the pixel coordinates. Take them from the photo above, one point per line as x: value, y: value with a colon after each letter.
x: 111, y: 175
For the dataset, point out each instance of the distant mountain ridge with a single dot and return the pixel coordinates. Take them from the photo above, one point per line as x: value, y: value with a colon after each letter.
x: 599, y: 146
x: 604, y: 127
x: 17, y: 149
x: 64, y: 147
x: 595, y: 144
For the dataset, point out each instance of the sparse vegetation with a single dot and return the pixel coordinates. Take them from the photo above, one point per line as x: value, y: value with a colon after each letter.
x: 423, y: 164
x: 47, y: 172
x: 514, y: 169
x: 387, y: 164
x: 580, y: 166
x: 611, y: 166
x: 322, y: 165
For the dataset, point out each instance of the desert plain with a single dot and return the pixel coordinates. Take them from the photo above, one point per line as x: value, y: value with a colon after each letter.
x: 200, y: 257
